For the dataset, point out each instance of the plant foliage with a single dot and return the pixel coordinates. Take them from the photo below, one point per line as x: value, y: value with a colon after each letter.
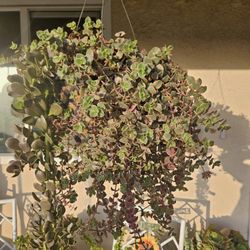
x: 107, y: 111
x: 213, y: 239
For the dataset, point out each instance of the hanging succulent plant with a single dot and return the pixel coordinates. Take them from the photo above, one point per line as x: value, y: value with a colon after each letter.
x: 107, y: 110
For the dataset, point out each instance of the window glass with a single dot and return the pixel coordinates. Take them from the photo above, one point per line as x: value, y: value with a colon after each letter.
x: 9, y: 30
x: 7, y: 120
x: 41, y: 20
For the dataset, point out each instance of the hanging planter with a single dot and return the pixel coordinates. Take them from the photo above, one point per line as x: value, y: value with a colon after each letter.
x: 131, y: 118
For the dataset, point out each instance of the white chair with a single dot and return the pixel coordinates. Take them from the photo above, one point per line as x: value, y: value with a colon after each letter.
x: 11, y: 220
x: 179, y: 243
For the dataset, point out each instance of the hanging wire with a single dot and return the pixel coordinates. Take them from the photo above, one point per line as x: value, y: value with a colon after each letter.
x: 102, y: 15
x: 131, y: 26
x: 80, y: 17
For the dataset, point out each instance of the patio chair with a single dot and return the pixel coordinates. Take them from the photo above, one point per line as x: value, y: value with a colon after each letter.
x: 8, y: 219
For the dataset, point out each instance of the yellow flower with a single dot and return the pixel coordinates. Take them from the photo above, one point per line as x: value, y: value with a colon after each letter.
x: 149, y: 241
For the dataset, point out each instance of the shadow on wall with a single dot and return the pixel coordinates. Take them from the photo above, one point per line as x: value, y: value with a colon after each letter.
x: 4, y: 189
x: 83, y: 201
x: 234, y: 156
x: 14, y: 189
x: 107, y: 241
x: 3, y: 183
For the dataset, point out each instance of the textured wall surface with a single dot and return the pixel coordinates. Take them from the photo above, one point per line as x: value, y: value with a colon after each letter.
x: 212, y: 41
x: 200, y: 30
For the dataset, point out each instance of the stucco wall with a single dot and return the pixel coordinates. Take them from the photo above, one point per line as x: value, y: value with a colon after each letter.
x: 212, y: 41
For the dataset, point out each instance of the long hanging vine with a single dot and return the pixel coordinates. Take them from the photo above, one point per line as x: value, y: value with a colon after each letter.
x: 105, y: 111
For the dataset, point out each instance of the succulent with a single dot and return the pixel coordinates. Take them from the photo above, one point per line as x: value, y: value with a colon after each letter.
x: 211, y: 238
x: 107, y: 111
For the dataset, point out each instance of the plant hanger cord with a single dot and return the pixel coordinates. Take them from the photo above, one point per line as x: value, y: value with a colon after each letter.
x: 83, y: 8
x: 130, y: 23
x: 102, y: 14
x: 80, y: 17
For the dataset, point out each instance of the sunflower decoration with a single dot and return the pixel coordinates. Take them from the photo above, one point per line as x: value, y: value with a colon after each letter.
x: 147, y: 242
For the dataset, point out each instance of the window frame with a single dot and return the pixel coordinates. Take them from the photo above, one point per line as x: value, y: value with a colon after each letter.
x: 25, y: 15
x: 28, y: 6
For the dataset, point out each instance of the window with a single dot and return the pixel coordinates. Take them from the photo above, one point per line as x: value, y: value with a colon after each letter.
x: 20, y: 23
x: 9, y: 30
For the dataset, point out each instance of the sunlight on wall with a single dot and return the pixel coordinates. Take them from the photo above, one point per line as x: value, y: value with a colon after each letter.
x: 228, y: 191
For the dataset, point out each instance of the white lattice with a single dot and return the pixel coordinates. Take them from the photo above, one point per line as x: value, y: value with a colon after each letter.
x: 10, y: 220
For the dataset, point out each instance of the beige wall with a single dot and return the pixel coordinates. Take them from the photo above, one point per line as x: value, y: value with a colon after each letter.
x: 212, y: 41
